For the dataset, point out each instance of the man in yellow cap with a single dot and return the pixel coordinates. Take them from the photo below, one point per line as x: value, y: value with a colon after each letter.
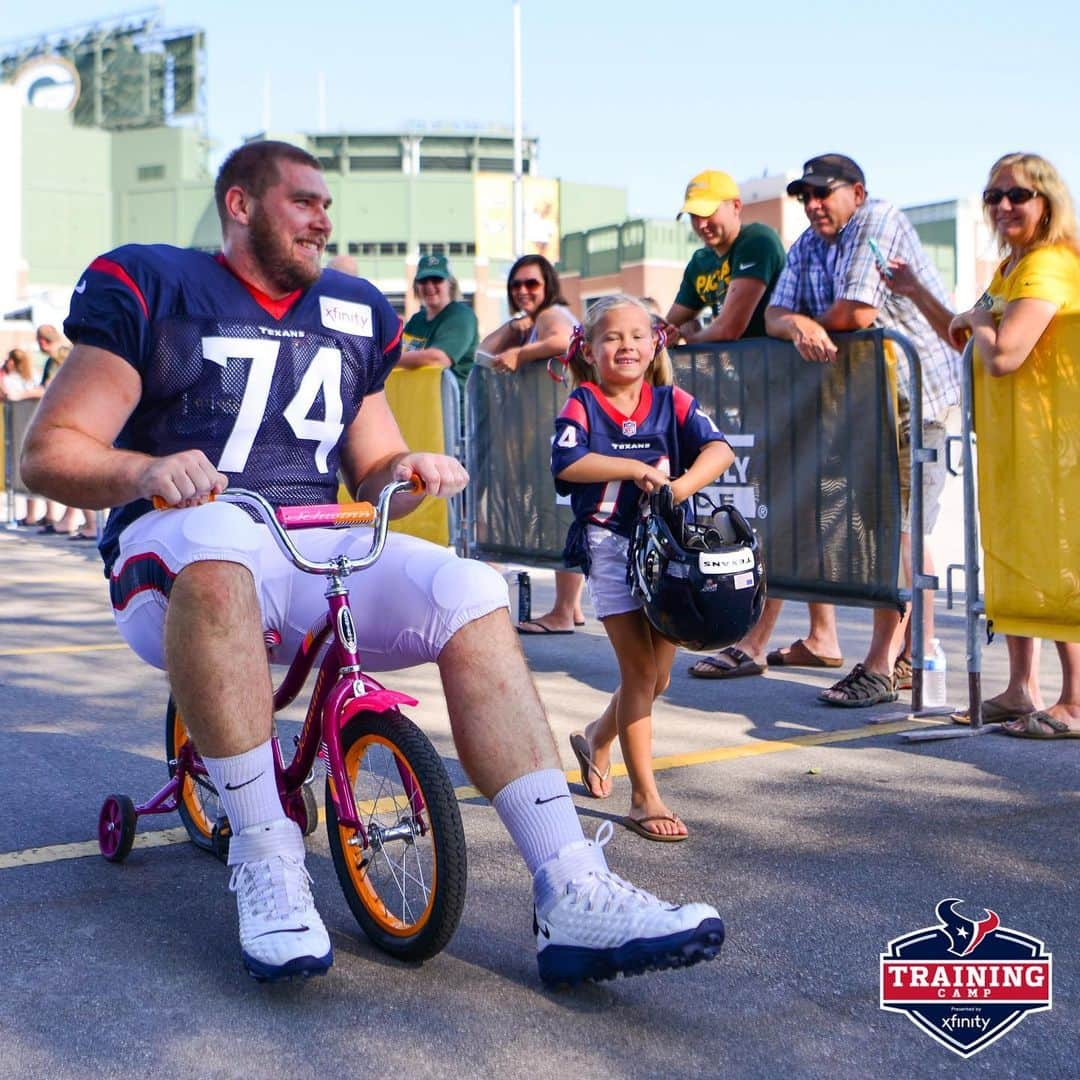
x: 734, y: 273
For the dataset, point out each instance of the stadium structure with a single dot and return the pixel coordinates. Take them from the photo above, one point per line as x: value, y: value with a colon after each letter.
x: 106, y: 136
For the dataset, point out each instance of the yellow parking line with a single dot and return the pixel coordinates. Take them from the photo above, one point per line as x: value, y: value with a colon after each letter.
x: 164, y: 837
x: 60, y: 648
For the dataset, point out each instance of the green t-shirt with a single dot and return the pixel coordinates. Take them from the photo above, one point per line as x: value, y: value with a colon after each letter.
x: 454, y: 330
x: 756, y: 253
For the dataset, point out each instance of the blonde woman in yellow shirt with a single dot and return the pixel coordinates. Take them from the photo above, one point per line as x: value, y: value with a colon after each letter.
x: 1019, y: 329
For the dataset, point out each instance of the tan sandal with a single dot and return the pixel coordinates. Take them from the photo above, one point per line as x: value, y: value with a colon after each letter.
x: 637, y: 825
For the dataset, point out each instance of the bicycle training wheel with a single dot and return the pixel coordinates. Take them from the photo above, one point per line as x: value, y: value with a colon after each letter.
x: 406, y: 888
x: 198, y: 804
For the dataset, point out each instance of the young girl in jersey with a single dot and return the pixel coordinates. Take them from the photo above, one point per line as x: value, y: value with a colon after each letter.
x: 626, y: 431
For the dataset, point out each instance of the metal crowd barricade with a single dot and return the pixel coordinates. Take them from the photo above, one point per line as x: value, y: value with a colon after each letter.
x: 974, y: 608
x: 825, y: 494
x: 17, y: 417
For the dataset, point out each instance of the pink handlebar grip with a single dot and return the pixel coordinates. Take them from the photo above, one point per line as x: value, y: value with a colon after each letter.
x: 326, y: 515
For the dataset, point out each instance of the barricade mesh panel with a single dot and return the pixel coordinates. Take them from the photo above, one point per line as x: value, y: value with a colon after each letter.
x: 17, y: 417
x: 816, y: 467
x: 511, y: 495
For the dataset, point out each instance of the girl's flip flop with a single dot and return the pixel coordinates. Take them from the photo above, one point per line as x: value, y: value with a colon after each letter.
x: 637, y: 825
x: 580, y: 745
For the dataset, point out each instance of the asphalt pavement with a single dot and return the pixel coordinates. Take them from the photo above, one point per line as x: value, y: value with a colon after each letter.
x: 818, y: 833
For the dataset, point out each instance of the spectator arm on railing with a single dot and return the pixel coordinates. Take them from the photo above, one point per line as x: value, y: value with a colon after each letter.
x: 1003, y: 347
x: 743, y: 296
x: 847, y: 316
x: 509, y: 335
x: 417, y: 358
x: 810, y: 338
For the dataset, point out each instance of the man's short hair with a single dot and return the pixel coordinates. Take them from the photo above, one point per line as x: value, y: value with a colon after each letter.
x: 253, y: 167
x: 48, y: 333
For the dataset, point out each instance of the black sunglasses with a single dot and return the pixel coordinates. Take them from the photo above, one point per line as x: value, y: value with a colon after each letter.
x: 526, y: 283
x: 1016, y: 195
x: 819, y: 193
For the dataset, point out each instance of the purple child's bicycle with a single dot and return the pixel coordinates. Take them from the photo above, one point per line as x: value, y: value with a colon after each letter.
x: 391, y: 814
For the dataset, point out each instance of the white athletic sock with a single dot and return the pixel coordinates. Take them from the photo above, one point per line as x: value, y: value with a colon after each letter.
x: 539, y: 815
x: 247, y: 787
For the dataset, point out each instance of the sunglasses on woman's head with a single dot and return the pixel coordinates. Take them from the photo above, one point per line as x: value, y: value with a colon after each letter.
x: 1016, y: 195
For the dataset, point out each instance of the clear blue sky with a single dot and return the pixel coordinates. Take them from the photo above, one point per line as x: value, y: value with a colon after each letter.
x: 924, y: 95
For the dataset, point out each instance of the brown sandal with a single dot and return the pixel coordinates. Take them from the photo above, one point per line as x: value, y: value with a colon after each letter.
x: 901, y: 673
x: 798, y: 655
x: 858, y: 689
x: 718, y: 667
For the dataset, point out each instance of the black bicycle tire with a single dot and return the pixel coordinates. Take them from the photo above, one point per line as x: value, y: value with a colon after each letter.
x: 448, y: 838
x: 202, y: 840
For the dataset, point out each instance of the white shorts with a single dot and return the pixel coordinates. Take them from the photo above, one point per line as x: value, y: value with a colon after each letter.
x: 406, y: 606
x: 935, y: 436
x: 606, y: 580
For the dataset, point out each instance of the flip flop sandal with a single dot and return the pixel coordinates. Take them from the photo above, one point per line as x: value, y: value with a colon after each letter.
x: 711, y: 667
x: 858, y: 689
x: 637, y: 825
x: 540, y: 630
x: 1031, y: 727
x: 580, y: 745
x: 992, y: 713
x: 798, y: 655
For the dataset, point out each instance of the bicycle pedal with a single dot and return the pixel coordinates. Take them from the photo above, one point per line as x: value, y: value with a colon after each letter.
x: 220, y: 836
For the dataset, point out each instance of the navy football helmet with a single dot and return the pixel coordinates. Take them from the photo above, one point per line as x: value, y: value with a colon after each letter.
x: 702, y: 585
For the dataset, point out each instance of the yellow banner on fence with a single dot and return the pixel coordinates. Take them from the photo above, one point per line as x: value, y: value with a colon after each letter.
x: 415, y: 397
x: 1029, y: 488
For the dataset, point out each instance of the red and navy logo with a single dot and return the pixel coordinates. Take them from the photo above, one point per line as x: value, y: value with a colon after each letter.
x: 966, y: 982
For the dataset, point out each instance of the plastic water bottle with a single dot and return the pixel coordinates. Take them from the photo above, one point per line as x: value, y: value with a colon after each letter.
x: 524, y: 597
x: 935, y: 673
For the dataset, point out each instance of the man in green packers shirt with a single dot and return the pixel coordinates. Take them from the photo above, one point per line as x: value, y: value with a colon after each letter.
x: 733, y: 274
x: 443, y: 332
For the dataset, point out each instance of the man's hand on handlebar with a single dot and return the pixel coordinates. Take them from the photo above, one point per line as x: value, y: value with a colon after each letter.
x: 441, y: 475
x: 184, y: 479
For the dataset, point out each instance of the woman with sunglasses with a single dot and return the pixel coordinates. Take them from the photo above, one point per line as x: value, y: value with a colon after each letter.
x: 539, y: 329
x: 1019, y: 331
x: 542, y: 322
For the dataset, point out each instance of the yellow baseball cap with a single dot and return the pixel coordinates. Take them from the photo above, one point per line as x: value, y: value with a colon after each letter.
x: 707, y: 191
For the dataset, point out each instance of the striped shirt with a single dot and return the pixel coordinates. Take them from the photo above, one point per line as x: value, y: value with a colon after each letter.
x: 819, y: 272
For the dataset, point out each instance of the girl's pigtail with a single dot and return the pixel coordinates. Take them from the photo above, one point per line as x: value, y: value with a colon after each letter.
x: 576, y: 362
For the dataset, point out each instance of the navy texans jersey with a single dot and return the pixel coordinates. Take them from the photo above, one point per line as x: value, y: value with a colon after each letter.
x: 265, y: 388
x: 667, y: 430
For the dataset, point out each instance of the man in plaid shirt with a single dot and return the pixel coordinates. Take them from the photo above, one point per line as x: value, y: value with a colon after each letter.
x: 832, y: 284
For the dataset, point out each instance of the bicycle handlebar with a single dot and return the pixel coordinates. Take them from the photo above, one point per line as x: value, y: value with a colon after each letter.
x: 332, y: 515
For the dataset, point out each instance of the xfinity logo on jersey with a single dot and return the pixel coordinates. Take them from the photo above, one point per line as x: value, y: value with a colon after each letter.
x: 736, y: 487
x: 966, y: 982
x: 346, y: 316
